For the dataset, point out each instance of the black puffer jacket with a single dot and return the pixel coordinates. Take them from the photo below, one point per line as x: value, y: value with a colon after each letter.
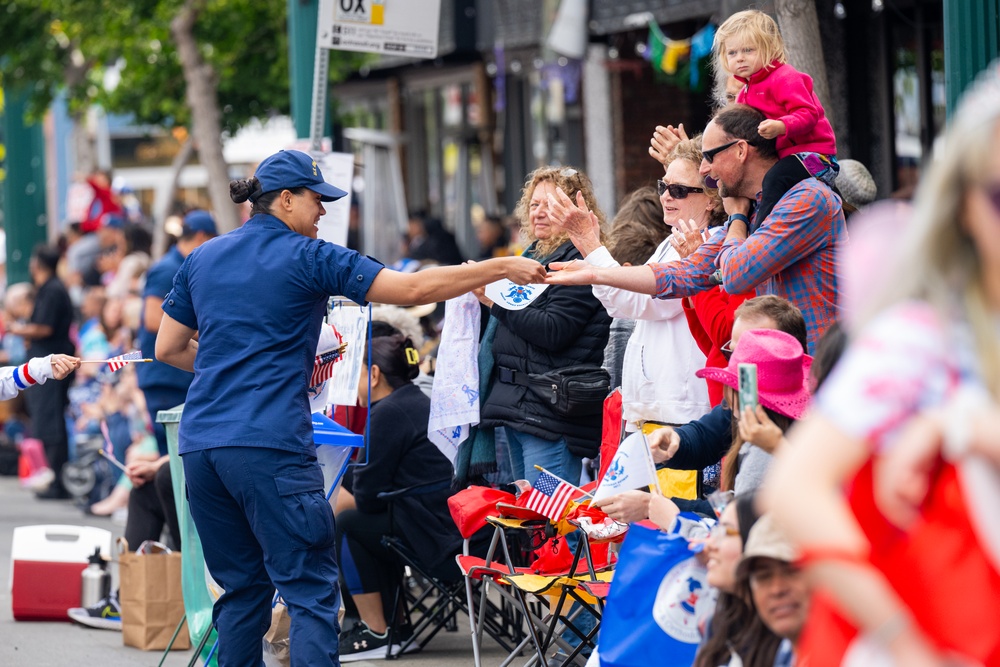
x: 566, y: 326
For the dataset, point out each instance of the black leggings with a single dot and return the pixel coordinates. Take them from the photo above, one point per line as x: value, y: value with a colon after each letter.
x: 365, y: 565
x: 150, y: 506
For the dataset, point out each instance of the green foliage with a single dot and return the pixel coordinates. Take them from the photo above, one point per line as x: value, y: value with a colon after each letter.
x: 48, y: 42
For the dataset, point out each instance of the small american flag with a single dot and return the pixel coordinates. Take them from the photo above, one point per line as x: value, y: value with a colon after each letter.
x: 549, y: 496
x: 122, y: 360
x: 323, y: 365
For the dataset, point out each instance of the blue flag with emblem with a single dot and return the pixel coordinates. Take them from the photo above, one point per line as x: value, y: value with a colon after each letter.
x: 658, y: 602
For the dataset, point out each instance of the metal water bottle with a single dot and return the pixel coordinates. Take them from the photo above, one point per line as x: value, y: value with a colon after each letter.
x: 95, y: 580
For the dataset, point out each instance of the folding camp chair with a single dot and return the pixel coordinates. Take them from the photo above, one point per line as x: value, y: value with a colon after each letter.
x: 436, y: 605
x: 532, y: 589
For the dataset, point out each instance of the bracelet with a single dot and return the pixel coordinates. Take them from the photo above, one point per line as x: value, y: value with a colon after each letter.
x: 812, y: 555
x: 737, y: 216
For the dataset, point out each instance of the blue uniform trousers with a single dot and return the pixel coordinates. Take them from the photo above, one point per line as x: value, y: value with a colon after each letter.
x: 263, y: 517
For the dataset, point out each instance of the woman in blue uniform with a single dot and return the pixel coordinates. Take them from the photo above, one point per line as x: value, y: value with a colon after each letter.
x: 256, y: 298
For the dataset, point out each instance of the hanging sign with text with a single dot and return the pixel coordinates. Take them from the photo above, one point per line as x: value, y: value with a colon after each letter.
x: 393, y: 27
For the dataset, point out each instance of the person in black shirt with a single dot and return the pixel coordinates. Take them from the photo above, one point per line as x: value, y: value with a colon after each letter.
x: 48, y: 333
x: 400, y: 456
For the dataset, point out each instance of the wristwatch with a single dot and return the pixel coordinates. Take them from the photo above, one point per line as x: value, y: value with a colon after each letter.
x: 737, y: 216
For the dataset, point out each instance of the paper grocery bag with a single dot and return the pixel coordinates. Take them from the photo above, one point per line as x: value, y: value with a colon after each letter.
x: 276, y: 642
x: 151, y: 598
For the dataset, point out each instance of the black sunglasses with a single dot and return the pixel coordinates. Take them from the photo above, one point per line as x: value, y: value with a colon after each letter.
x: 710, y: 154
x: 727, y: 350
x: 676, y: 190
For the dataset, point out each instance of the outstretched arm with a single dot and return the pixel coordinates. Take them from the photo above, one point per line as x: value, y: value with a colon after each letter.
x: 634, y: 278
x: 445, y: 282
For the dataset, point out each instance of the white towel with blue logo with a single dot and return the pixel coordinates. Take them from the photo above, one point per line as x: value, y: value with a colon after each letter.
x: 455, y: 396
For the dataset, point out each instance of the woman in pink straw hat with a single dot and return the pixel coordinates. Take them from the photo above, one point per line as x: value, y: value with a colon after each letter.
x: 783, y: 393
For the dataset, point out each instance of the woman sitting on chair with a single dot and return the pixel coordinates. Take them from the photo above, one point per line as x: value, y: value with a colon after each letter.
x: 400, y: 459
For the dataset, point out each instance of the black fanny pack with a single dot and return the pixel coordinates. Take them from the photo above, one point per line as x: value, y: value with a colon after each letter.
x: 570, y: 392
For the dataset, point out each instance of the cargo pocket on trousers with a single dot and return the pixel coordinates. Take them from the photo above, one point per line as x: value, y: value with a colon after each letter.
x: 307, y: 514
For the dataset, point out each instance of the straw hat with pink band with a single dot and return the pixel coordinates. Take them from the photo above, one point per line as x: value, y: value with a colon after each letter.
x: 782, y: 370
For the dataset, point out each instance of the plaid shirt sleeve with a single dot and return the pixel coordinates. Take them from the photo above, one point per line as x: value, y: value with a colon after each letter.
x: 792, y: 232
x: 692, y: 274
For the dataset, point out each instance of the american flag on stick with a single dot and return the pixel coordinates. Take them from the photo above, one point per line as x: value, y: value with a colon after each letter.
x: 550, y: 495
x: 123, y: 360
x: 323, y: 365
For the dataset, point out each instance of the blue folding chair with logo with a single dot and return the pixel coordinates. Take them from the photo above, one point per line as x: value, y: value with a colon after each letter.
x: 334, y: 448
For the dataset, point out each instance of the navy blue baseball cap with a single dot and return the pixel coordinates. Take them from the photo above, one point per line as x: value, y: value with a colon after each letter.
x: 199, y: 220
x: 286, y: 170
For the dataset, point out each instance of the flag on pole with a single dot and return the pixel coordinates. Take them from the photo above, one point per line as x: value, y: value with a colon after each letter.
x: 122, y: 360
x: 323, y: 365
x: 629, y: 469
x: 550, y: 496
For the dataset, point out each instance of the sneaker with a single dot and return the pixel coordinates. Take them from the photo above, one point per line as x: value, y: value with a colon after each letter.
x: 400, y: 637
x: 105, y: 615
x: 360, y: 643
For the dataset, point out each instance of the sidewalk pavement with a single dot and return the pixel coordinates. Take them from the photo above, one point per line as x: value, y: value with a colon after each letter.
x: 42, y: 644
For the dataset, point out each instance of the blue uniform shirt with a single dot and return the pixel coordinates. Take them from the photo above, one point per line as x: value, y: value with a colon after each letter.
x: 158, y: 375
x: 257, y: 297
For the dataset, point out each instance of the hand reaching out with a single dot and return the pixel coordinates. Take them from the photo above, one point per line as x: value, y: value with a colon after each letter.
x: 574, y: 272
x: 663, y: 443
x: 63, y: 365
x: 523, y: 270
x: 664, y: 140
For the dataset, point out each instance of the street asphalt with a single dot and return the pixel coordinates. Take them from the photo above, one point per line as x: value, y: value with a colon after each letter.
x: 45, y: 644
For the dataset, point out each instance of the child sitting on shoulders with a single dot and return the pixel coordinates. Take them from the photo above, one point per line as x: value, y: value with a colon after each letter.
x: 749, y: 47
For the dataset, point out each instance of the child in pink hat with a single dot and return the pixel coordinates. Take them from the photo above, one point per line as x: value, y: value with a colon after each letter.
x: 783, y: 393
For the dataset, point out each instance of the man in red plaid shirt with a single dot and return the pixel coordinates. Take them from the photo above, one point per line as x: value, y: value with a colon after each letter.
x: 791, y: 254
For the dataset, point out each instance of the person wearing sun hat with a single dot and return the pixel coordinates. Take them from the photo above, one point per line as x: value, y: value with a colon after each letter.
x: 769, y: 577
x: 257, y: 297
x: 783, y: 393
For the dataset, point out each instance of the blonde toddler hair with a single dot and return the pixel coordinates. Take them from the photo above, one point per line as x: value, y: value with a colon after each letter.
x: 755, y: 27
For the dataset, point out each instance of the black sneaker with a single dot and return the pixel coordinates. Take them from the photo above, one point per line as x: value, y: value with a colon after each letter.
x: 363, y: 644
x: 106, y: 615
x: 400, y: 637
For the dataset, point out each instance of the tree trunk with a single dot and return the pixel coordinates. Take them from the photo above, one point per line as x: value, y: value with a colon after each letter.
x: 206, y: 126
x: 800, y: 30
x: 164, y: 198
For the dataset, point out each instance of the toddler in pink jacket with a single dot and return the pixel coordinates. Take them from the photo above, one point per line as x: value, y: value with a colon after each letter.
x: 749, y: 47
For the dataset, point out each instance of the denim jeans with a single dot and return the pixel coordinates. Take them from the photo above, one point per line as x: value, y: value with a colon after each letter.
x: 528, y: 451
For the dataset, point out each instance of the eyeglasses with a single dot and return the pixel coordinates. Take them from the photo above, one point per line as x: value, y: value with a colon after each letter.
x: 727, y: 349
x: 721, y: 530
x: 676, y: 190
x: 710, y: 154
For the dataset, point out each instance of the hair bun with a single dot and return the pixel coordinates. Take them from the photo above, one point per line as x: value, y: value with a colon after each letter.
x: 242, y: 189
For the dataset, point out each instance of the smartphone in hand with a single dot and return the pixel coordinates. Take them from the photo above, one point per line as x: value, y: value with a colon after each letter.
x: 748, y: 386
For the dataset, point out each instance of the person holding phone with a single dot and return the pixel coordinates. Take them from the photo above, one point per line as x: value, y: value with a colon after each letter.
x: 782, y: 388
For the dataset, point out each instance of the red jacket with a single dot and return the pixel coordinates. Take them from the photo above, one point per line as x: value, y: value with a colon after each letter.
x: 710, y: 316
x: 783, y: 93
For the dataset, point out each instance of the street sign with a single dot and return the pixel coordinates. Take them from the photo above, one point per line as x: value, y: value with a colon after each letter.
x: 393, y: 27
